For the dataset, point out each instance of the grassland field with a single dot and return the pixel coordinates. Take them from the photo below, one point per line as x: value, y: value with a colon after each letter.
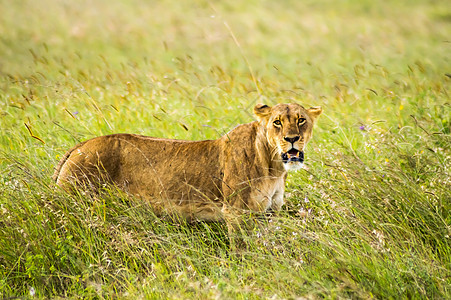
x: 368, y: 218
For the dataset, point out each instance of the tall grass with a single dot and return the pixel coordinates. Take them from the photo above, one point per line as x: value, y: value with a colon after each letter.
x: 369, y: 218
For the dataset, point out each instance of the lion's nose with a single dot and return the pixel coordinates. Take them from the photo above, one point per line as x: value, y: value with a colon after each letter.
x: 292, y: 139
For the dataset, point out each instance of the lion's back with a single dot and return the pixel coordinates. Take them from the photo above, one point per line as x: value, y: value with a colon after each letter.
x: 150, y: 167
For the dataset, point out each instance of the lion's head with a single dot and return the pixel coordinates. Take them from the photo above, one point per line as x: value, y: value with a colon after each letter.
x: 288, y: 130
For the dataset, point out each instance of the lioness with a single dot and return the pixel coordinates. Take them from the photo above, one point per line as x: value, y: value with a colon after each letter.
x: 244, y: 170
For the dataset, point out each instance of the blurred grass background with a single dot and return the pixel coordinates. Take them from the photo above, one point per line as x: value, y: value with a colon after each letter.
x: 369, y: 218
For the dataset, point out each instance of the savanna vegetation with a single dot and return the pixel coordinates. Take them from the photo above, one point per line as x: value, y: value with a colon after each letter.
x: 368, y: 218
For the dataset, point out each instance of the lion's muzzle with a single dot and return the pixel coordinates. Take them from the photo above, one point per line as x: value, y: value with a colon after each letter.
x: 293, y: 155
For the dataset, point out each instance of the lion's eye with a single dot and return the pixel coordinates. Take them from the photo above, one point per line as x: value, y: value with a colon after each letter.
x: 277, y: 123
x: 301, y: 121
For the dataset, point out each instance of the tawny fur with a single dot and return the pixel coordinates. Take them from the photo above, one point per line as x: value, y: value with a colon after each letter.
x: 203, y: 180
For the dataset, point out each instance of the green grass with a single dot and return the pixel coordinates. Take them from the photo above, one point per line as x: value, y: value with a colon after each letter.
x: 370, y: 218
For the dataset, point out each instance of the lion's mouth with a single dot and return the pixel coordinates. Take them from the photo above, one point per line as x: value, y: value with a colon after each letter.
x: 293, y: 155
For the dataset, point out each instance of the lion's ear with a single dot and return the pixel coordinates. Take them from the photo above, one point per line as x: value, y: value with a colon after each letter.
x: 314, y: 112
x: 262, y: 111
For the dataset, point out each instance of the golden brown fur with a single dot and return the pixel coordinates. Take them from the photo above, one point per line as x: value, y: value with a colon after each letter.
x: 243, y: 170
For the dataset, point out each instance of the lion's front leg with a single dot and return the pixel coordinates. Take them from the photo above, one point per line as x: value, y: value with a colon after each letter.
x: 236, y: 214
x: 233, y: 219
x: 239, y: 226
x: 268, y: 194
x: 259, y: 202
x: 277, y: 200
